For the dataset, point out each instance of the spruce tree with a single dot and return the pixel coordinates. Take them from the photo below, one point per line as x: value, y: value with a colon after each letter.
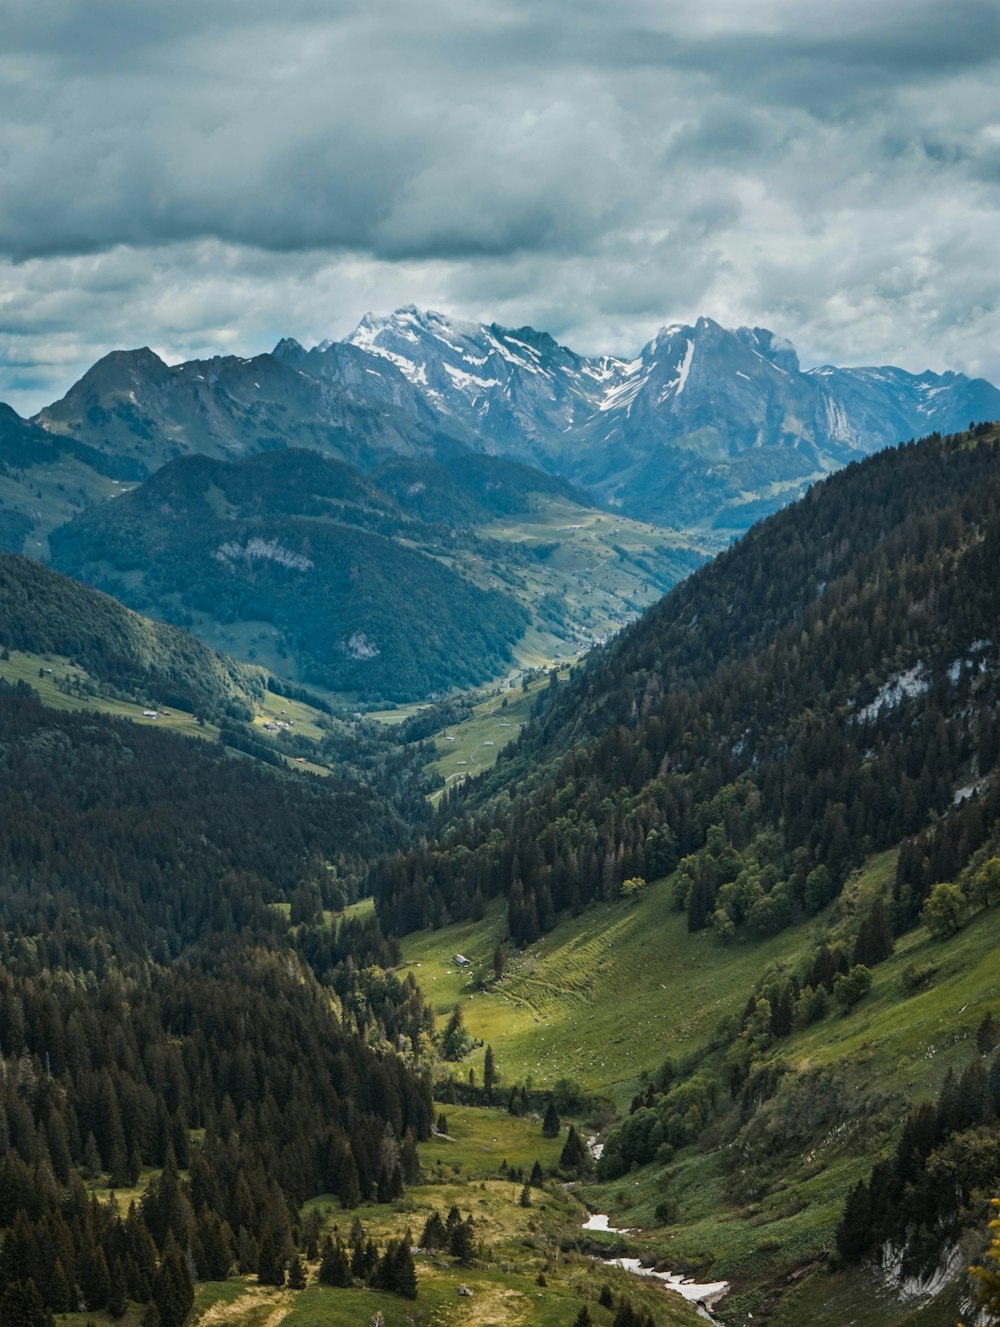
x: 550, y: 1121
x: 573, y: 1156
x: 173, y: 1293
x: 489, y: 1073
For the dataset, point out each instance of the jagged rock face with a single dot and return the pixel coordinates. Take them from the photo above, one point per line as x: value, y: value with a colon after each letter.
x: 519, y: 391
x: 704, y: 424
x: 706, y: 427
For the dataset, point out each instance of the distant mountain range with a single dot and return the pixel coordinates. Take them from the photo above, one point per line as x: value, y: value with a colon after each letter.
x: 705, y: 431
x: 705, y: 427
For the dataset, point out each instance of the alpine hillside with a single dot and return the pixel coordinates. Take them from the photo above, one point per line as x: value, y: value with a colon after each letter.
x: 769, y: 812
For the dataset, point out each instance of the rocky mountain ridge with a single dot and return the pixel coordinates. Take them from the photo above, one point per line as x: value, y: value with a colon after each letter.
x: 706, y: 427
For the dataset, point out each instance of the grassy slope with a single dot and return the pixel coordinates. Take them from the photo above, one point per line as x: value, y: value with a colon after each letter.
x: 561, y: 1011
x: 467, y: 1169
x: 602, y: 998
x: 472, y: 746
x: 23, y: 666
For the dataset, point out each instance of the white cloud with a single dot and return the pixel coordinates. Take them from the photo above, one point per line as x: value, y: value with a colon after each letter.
x: 208, y: 178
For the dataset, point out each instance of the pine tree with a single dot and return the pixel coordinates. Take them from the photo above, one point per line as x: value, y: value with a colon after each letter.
x: 550, y: 1121
x: 574, y: 1156
x: 296, y: 1274
x: 489, y: 1073
x: 173, y: 1293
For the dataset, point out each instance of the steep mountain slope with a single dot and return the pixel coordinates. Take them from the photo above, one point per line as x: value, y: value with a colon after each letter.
x: 706, y: 426
x: 831, y: 638
x: 804, y: 737
x: 134, y: 406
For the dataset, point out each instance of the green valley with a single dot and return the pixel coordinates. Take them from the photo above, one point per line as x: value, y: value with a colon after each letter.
x: 697, y: 934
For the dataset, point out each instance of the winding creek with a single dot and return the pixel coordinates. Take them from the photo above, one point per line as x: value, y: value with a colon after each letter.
x: 704, y: 1295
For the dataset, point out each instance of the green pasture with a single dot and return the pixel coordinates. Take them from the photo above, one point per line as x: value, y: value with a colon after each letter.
x: 600, y: 999
x: 469, y: 747
x: 43, y: 672
x: 480, y: 1139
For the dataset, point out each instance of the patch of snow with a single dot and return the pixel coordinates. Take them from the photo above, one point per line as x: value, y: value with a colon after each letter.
x: 708, y: 1292
x: 626, y: 392
x: 676, y: 385
x: 469, y: 381
x: 531, y: 350
x: 506, y: 353
x: 417, y: 373
x: 599, y: 1221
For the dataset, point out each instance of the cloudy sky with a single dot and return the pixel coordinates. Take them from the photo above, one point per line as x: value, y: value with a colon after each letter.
x: 205, y: 177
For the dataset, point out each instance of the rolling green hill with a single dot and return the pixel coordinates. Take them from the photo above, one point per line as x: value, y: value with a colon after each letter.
x: 444, y: 578
x: 43, y: 612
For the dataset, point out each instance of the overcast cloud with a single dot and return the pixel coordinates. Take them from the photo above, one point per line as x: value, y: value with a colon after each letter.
x: 205, y: 178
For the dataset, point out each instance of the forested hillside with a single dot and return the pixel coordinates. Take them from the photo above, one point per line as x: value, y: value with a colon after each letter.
x: 803, y: 737
x: 420, y: 577
x: 42, y: 612
x: 148, y: 982
x: 818, y: 692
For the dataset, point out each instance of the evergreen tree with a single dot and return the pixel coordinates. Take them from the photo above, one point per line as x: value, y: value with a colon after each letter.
x: 334, y: 1267
x: 461, y: 1241
x: 455, y: 1041
x: 574, y: 1156
x: 550, y: 1121
x: 434, y: 1235
x: 271, y: 1258
x: 173, y: 1293
x: 117, y: 1293
x: 489, y: 1074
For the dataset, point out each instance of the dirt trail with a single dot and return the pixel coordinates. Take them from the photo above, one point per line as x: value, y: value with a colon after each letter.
x: 267, y: 1308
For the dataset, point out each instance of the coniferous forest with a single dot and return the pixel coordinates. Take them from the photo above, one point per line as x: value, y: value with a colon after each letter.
x: 192, y: 1013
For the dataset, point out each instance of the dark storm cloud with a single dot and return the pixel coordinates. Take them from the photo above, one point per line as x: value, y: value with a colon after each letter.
x: 183, y: 173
